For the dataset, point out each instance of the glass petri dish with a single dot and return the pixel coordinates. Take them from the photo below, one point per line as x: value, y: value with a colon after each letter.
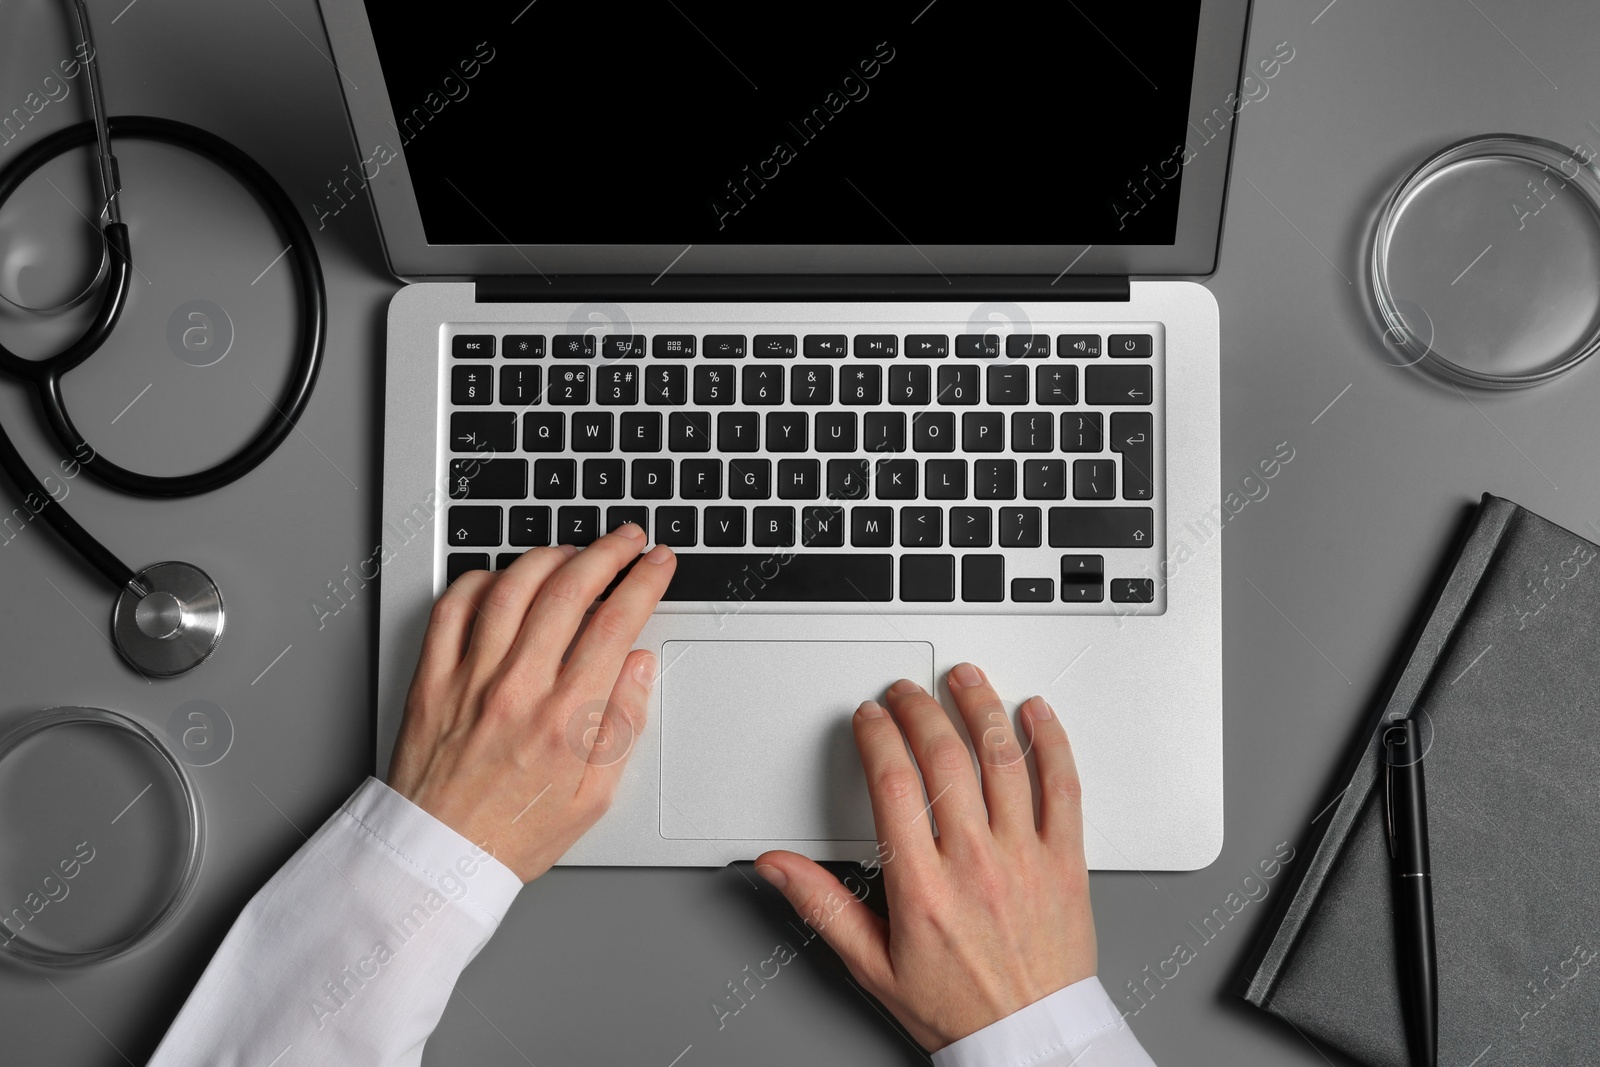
x: 100, y: 836
x: 1486, y: 262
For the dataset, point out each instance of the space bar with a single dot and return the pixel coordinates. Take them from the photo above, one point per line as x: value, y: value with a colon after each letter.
x: 782, y: 576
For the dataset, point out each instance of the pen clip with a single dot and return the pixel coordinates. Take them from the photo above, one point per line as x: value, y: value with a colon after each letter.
x: 1388, y: 790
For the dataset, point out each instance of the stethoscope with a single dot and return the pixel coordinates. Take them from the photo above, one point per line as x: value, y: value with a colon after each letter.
x: 169, y: 616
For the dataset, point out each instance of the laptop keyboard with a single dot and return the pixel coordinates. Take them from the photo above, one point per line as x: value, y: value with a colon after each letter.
x: 837, y: 471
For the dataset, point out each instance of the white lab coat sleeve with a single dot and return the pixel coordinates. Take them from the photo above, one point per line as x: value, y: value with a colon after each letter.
x: 1077, y: 1025
x: 349, y: 954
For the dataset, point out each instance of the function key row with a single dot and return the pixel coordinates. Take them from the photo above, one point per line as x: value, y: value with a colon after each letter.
x: 787, y: 346
x: 906, y: 385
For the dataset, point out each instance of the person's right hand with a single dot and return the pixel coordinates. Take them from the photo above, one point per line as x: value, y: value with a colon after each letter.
x: 993, y: 914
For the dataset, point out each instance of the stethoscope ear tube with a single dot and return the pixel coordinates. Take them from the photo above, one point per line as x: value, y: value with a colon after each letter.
x: 144, y: 635
x: 119, y: 279
x: 45, y: 374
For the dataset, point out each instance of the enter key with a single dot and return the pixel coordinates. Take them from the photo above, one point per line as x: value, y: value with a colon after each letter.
x: 1131, y: 435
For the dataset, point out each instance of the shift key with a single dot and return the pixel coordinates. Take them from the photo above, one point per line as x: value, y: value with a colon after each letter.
x: 1102, y: 527
x: 1130, y: 435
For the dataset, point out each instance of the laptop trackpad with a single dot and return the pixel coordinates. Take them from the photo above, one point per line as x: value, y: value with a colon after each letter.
x: 756, y: 741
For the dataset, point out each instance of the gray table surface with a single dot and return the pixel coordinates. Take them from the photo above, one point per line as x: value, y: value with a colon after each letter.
x: 619, y: 966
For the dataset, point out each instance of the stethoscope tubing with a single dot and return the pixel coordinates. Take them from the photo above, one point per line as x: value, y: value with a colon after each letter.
x: 45, y: 374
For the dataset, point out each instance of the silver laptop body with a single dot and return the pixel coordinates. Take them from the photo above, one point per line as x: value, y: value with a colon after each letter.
x: 535, y: 391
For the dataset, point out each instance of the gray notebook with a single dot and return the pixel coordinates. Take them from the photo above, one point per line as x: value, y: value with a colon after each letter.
x: 1505, y: 677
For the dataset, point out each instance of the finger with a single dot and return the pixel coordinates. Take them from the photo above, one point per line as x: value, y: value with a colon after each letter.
x: 1060, y: 792
x: 450, y: 624
x: 427, y: 715
x: 946, y: 764
x: 852, y: 929
x: 898, y: 811
x: 502, y: 611
x: 1001, y: 761
x: 615, y: 624
x: 607, y: 746
x: 566, y: 595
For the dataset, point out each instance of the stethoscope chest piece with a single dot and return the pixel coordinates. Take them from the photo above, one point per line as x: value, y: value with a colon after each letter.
x: 174, y: 626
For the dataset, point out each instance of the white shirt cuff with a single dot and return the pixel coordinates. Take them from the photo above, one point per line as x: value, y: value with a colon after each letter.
x: 384, y: 895
x: 459, y: 869
x: 1076, y: 1025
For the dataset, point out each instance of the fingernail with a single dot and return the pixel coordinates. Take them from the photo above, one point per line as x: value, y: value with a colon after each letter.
x: 773, y: 875
x: 1040, y: 709
x: 568, y: 550
x: 644, y: 669
x: 658, y: 554
x: 631, y: 529
x: 870, y: 709
x: 965, y: 674
x: 905, y: 685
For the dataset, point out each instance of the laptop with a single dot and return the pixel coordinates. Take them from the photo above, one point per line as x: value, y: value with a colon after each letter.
x: 884, y: 317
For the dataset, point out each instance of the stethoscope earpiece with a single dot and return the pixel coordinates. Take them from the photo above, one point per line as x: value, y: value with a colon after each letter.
x: 168, y: 620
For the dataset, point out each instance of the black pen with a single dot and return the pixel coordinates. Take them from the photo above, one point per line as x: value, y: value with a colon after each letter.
x: 1407, y: 817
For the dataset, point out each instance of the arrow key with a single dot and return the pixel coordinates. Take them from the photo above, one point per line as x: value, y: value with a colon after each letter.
x: 1119, y: 385
x: 1033, y: 590
x: 1083, y: 579
x: 1133, y: 591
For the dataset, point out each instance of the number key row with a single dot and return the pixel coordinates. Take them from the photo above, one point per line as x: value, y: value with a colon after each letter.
x: 666, y: 385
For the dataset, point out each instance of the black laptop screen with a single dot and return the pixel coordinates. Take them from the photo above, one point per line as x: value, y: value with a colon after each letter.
x: 954, y: 122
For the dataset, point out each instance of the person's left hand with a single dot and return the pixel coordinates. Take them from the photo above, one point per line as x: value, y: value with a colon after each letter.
x: 510, y: 740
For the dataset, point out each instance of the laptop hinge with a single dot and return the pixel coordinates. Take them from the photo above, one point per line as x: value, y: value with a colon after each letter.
x: 634, y: 288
